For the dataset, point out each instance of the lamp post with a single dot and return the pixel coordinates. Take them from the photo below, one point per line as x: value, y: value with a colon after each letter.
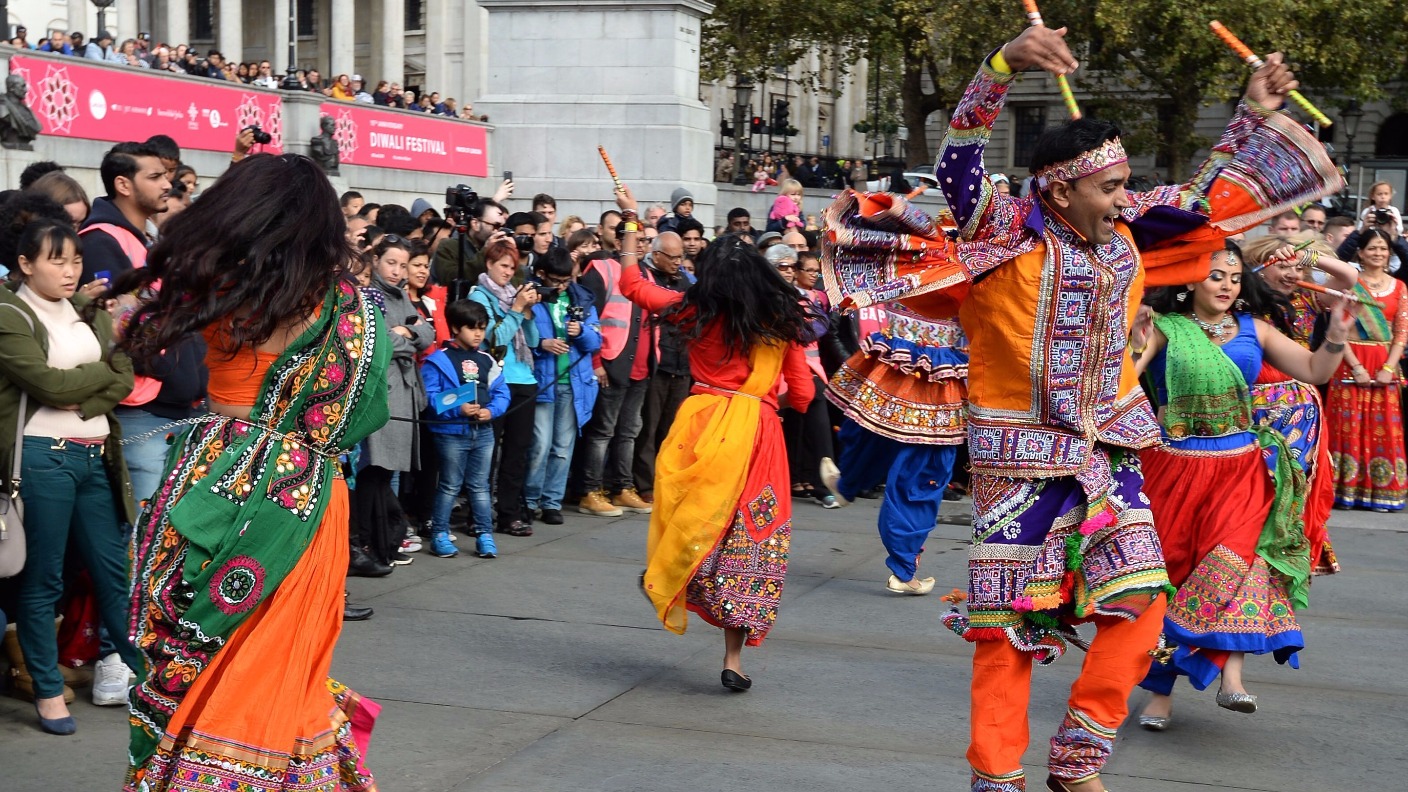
x: 290, y: 82
x: 742, y: 100
x: 1351, y: 116
x: 102, y: 6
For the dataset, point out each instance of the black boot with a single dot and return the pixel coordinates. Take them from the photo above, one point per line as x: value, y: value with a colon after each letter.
x: 353, y: 612
x: 362, y: 565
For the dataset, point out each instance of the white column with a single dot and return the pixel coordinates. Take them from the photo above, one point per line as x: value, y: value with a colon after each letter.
x: 278, y: 43
x: 342, y: 44
x: 125, y: 25
x: 229, y: 31
x: 178, y: 24
x: 436, y: 25
x: 393, y: 43
x: 78, y: 16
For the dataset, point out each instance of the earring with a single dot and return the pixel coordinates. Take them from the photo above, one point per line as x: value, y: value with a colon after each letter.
x: 1240, y: 305
x: 1181, y: 297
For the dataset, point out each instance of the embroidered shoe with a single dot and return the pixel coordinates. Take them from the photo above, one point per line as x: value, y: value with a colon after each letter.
x: 442, y: 547
x: 484, y: 546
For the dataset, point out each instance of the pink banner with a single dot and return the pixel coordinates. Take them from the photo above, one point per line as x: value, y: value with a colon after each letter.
x: 72, y: 99
x: 389, y: 139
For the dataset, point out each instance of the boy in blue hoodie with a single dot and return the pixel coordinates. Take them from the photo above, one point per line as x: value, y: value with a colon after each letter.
x: 464, y: 436
x: 569, y: 333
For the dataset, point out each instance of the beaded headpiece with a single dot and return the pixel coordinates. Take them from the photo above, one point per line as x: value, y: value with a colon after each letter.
x: 1109, y: 153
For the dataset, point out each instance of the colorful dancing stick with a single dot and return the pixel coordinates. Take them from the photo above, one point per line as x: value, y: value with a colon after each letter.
x: 1245, y: 53
x: 1315, y: 287
x: 611, y: 169
x: 1034, y: 16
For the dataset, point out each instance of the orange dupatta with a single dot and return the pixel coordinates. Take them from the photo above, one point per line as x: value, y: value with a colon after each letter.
x: 699, y: 476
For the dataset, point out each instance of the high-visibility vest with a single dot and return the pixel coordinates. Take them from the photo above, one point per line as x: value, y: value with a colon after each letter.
x: 144, y: 389
x: 616, y: 315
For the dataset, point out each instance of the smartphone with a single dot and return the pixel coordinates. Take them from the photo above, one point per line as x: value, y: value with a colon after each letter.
x: 508, y: 175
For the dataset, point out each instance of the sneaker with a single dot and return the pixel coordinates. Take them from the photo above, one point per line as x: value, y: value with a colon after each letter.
x: 827, y: 501
x: 400, y: 559
x: 831, y: 477
x: 412, y: 545
x: 629, y: 500
x: 442, y: 547
x: 111, y: 679
x: 596, y: 504
x: 552, y: 517
x: 484, y: 546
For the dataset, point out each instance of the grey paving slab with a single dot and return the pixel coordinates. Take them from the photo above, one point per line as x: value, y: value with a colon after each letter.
x: 434, y: 746
x: 544, y: 670
x: 611, y: 757
x: 513, y: 664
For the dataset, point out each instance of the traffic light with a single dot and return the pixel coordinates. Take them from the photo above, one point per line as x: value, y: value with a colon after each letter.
x: 779, y: 117
x: 725, y: 128
x: 757, y: 126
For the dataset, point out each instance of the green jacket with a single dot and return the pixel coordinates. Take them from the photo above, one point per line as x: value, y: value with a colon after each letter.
x: 95, y: 387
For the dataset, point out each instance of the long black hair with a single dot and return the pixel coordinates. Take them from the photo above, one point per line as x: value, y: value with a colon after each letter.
x: 259, y: 249
x: 1256, y: 297
x: 746, y: 296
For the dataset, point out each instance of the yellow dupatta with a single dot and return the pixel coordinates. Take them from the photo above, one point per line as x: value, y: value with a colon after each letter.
x: 700, y: 471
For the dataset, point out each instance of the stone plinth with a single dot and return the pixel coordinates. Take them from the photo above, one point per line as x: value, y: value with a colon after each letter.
x: 568, y: 75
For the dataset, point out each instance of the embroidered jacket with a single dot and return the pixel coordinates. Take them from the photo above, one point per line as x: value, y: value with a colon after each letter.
x: 1047, y: 313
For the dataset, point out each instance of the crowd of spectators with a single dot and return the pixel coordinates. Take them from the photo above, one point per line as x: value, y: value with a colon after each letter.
x: 185, y: 59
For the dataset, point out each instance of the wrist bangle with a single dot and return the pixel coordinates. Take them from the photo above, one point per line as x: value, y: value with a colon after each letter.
x: 1134, y: 350
x: 1334, y: 346
x: 629, y: 227
x: 1389, y: 369
x: 630, y: 216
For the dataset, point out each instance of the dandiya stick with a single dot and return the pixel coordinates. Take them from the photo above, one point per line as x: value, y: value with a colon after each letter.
x: 611, y: 169
x: 1034, y: 16
x: 1245, y: 53
x: 1315, y: 287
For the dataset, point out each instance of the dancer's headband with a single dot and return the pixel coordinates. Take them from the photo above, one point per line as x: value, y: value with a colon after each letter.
x: 1108, y: 154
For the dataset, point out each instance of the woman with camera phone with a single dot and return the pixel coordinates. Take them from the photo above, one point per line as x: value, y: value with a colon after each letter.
x: 511, y: 338
x: 567, y: 387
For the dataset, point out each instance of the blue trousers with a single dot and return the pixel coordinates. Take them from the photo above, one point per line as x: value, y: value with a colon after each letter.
x: 915, y: 478
x: 554, y: 436
x: 465, y: 464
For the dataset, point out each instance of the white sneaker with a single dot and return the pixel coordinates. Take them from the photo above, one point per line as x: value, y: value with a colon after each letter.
x: 831, y: 476
x: 111, y: 679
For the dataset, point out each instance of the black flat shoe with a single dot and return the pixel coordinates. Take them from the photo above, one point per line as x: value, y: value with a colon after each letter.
x: 63, y: 727
x: 735, y: 681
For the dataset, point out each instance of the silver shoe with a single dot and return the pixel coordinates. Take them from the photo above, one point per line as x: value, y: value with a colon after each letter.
x: 1237, y: 702
x: 1154, y: 722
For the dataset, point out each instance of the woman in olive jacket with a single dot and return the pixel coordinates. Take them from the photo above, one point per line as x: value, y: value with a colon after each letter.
x: 73, y: 481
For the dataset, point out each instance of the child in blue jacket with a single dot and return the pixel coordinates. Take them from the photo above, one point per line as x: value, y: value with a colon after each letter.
x: 463, y: 435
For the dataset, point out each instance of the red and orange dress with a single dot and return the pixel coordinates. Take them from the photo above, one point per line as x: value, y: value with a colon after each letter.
x: 721, y: 528
x: 239, y: 566
x: 1366, y: 427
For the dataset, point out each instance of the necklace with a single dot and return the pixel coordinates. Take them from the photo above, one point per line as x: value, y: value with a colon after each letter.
x: 1375, y: 287
x: 1214, y: 329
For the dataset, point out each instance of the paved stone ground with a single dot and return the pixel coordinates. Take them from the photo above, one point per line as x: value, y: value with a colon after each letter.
x: 544, y: 670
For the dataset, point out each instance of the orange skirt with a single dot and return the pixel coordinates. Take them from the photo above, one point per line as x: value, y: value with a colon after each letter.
x: 265, y: 715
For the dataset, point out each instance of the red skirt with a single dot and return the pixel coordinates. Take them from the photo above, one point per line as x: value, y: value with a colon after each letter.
x: 1366, y: 438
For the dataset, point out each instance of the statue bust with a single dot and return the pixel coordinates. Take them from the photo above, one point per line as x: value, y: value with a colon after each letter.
x: 323, y: 148
x: 18, y: 126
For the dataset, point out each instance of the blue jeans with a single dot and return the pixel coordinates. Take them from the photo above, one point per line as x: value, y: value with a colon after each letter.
x: 465, y: 463
x: 67, y: 499
x: 146, y: 459
x: 554, y: 435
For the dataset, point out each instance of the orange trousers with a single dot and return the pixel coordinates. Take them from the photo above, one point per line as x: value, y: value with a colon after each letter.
x: 1118, y: 659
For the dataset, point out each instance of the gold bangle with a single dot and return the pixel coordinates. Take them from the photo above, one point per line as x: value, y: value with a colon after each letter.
x: 1138, y: 350
x: 1387, y: 368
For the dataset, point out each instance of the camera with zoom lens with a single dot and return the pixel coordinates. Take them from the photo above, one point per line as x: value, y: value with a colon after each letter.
x: 1382, y: 217
x: 524, y: 242
x: 459, y: 200
x: 260, y: 136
